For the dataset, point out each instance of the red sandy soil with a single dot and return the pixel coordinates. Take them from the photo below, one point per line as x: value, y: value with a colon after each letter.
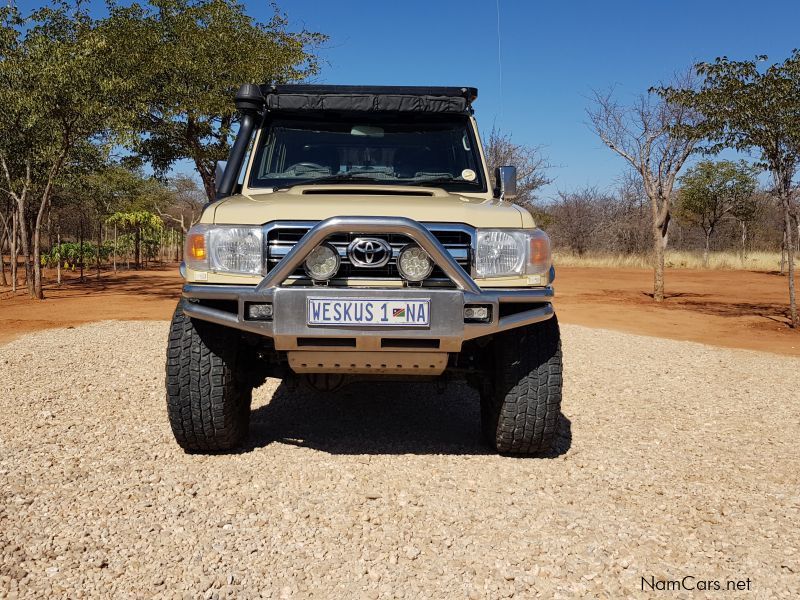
x: 737, y: 309
x: 126, y: 295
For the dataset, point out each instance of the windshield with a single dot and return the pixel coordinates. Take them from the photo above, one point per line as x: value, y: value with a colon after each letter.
x: 408, y: 150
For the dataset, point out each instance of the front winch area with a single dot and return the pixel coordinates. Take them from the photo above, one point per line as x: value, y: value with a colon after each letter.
x: 388, y: 363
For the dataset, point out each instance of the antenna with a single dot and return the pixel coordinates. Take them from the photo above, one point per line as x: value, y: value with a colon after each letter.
x: 499, y: 60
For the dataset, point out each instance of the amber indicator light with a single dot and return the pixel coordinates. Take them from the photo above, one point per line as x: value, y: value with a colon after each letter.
x: 197, y: 246
x: 540, y: 250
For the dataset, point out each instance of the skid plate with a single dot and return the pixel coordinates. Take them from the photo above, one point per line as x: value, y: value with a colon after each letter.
x: 395, y: 363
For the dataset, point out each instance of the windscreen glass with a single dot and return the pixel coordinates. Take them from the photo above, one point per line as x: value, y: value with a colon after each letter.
x: 402, y: 150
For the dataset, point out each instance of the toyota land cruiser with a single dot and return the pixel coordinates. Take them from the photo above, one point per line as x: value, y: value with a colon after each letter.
x: 356, y: 235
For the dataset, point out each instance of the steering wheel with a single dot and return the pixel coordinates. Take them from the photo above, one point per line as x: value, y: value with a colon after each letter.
x: 308, y: 165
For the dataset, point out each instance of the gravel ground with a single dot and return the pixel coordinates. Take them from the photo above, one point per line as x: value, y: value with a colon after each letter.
x: 674, y: 459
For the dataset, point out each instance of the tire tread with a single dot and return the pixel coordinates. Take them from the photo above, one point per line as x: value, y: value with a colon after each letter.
x: 207, y: 403
x: 521, y: 414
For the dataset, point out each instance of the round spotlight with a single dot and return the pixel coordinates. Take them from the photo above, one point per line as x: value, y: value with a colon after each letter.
x: 414, y: 263
x: 322, y: 263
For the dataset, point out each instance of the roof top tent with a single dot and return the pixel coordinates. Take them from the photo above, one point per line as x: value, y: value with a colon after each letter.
x: 254, y: 101
x: 359, y: 98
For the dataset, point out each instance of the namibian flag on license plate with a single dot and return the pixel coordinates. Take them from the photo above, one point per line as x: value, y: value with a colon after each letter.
x: 369, y: 312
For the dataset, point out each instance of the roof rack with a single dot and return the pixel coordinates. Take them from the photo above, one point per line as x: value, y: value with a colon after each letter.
x: 357, y: 98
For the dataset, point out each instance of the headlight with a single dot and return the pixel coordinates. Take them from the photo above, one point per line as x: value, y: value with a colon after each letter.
x: 508, y: 252
x: 225, y: 249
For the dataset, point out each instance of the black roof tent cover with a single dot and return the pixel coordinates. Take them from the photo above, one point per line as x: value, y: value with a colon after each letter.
x: 360, y: 98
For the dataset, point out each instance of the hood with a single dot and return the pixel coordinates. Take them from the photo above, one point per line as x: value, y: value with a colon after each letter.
x: 318, y: 202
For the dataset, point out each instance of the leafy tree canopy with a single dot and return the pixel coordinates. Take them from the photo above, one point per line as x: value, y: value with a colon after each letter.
x: 62, y: 90
x: 136, y: 219
x: 748, y: 106
x: 710, y: 190
x: 192, y: 57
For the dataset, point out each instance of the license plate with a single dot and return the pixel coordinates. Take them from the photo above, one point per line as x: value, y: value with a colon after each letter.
x: 369, y: 312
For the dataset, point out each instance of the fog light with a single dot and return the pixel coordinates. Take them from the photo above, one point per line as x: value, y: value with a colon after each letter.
x: 322, y: 263
x: 414, y: 263
x: 259, y: 312
x: 480, y: 314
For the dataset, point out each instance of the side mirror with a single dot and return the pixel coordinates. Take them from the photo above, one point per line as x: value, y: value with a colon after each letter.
x: 219, y: 170
x: 505, y: 182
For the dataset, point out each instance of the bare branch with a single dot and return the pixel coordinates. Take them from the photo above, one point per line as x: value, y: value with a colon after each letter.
x: 650, y: 135
x: 530, y: 162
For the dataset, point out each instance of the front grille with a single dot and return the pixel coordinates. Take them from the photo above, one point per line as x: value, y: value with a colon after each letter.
x: 457, y: 241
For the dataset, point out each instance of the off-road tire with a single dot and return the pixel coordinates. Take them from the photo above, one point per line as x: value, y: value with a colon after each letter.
x: 520, y: 409
x: 208, y: 400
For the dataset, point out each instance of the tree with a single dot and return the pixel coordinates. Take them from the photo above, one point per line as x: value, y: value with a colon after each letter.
x: 745, y: 213
x: 576, y: 216
x: 531, y: 165
x: 629, y: 222
x: 142, y: 224
x: 651, y: 136
x: 114, y: 189
x: 182, y: 204
x: 60, y: 89
x: 748, y: 107
x: 5, y: 234
x: 710, y: 191
x: 194, y: 55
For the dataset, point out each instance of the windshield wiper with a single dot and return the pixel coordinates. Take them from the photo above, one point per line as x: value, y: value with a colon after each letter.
x: 331, y: 179
x: 438, y: 180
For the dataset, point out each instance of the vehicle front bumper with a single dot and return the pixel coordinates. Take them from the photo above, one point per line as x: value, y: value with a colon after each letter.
x: 228, y: 304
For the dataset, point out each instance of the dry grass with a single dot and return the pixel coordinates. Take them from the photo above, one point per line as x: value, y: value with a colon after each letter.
x: 729, y: 261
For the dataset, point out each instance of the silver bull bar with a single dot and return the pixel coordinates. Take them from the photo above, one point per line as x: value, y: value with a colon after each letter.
x: 447, y: 328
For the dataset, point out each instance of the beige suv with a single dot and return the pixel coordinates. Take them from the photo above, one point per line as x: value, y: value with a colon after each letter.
x: 356, y: 235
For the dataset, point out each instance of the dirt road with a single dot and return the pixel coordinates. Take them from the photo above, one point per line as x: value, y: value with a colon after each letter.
x: 674, y: 459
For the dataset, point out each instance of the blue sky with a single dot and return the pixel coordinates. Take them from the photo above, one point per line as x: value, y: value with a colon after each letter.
x: 553, y: 55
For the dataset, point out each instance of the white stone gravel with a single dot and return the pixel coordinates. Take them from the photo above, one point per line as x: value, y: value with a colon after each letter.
x: 674, y: 459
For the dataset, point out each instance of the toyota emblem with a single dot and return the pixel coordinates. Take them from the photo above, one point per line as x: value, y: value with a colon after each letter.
x: 371, y: 253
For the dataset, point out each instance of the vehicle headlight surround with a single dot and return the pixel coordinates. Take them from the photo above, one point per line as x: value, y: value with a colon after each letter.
x: 237, y: 249
x: 510, y: 252
x: 322, y: 263
x: 414, y: 263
